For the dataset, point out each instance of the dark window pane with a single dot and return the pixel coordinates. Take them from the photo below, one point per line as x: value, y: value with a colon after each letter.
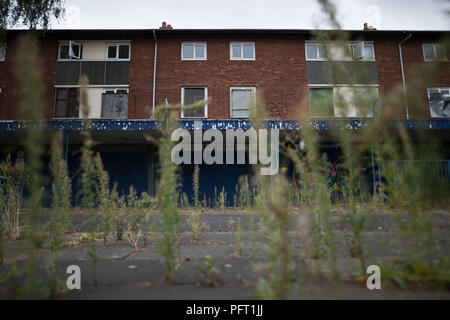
x: 124, y: 52
x: 321, y: 103
x: 61, y: 103
x: 428, y: 52
x: 73, y: 105
x: 191, y: 96
x: 112, y: 52
x: 64, y: 51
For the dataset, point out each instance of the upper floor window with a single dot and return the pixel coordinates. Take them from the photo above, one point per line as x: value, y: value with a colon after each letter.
x: 242, y: 51
x: 439, y: 99
x: 2, y: 51
x: 343, y: 101
x: 118, y: 51
x: 70, y: 51
x: 241, y: 98
x: 434, y: 52
x: 338, y: 52
x: 193, y: 51
x: 191, y: 95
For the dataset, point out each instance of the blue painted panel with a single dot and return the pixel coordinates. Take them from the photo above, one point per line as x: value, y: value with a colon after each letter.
x: 213, y: 176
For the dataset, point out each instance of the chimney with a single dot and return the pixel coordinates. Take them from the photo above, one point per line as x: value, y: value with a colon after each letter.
x: 165, y: 26
x: 365, y: 26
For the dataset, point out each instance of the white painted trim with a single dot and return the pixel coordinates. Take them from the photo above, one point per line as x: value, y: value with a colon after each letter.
x: 434, y: 51
x: 115, y: 89
x: 206, y: 104
x: 325, y: 85
x: 253, y: 89
x: 194, y: 58
x: 92, y: 86
x: 242, y: 51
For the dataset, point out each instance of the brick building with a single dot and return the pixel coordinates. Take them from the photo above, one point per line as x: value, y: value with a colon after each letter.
x: 132, y: 71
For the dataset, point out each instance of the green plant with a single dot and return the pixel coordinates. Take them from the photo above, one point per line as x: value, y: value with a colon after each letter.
x: 237, y: 235
x: 136, y: 219
x: 209, y: 271
x: 196, y: 224
x: 196, y: 186
x: 104, y: 198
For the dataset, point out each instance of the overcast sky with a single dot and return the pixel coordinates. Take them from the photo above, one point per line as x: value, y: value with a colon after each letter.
x: 257, y: 14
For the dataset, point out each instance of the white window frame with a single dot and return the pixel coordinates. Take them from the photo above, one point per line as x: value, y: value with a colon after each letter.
x: 3, y: 44
x: 330, y: 86
x: 206, y: 104
x: 434, y: 45
x: 317, y: 44
x: 349, y: 44
x: 428, y: 95
x: 253, y: 89
x: 69, y: 43
x: 117, y: 51
x: 242, y: 51
x: 115, y: 90
x: 194, y: 58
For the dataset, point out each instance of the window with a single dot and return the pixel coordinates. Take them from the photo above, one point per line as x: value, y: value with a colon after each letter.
x: 242, y: 51
x: 338, y: 52
x: 193, y: 51
x: 240, y: 100
x: 70, y: 51
x: 66, y: 104
x: 439, y: 99
x: 115, y: 104
x: 434, y: 52
x: 118, y: 51
x: 344, y: 102
x: 2, y: 51
x: 316, y: 51
x: 363, y: 51
x: 191, y: 95
x: 321, y: 102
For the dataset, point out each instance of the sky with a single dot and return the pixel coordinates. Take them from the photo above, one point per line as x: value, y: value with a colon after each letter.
x: 254, y: 14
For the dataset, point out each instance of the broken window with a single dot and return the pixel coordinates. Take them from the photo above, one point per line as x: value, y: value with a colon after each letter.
x: 241, y: 99
x: 242, y: 51
x: 118, y: 51
x: 66, y: 104
x: 191, y: 96
x: 434, y: 52
x: 70, y: 51
x: 439, y: 100
x: 193, y: 51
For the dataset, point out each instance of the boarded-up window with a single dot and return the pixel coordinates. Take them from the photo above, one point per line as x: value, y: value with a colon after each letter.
x: 191, y: 96
x: 66, y: 104
x: 241, y: 99
x: 114, y: 105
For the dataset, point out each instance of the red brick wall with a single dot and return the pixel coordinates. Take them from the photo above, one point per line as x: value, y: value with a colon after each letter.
x: 141, y: 77
x: 9, y: 106
x: 279, y: 72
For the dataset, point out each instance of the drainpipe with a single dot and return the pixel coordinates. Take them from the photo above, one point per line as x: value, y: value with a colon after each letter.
x: 154, y: 74
x: 403, y: 73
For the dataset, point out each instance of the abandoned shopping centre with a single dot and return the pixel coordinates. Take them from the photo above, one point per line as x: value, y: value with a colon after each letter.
x: 132, y: 71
